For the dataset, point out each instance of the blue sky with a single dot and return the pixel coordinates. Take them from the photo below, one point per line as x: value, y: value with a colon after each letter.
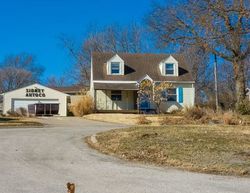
x: 33, y: 26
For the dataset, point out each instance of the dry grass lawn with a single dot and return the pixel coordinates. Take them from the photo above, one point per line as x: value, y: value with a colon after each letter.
x: 127, y: 119
x: 157, y: 120
x: 217, y: 149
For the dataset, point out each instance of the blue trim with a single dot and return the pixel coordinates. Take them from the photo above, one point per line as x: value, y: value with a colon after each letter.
x: 180, y: 95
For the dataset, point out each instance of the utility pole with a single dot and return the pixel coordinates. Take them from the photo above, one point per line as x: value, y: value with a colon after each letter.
x: 216, y: 83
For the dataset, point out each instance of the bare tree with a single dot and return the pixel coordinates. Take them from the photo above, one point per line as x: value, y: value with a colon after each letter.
x: 153, y: 92
x: 19, y: 70
x: 247, y: 71
x: 221, y: 27
x: 54, y: 81
x: 81, y: 67
x: 226, y: 85
x: 198, y: 60
x: 113, y: 38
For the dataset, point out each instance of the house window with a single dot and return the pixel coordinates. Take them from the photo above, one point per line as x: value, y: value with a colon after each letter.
x: 171, y: 94
x: 116, y: 95
x: 169, y: 69
x: 115, y: 68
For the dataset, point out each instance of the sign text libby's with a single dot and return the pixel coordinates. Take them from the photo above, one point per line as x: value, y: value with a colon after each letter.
x: 35, y: 92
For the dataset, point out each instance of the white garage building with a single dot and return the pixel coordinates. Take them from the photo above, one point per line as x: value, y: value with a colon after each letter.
x: 36, y: 99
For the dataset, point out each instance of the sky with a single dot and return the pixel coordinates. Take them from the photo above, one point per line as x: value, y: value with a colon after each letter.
x: 34, y: 26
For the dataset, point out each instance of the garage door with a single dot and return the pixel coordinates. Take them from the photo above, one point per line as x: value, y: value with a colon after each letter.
x: 17, y: 103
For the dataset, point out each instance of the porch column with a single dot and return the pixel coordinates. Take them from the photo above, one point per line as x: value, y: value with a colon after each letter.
x: 95, y: 99
x: 138, y: 102
x: 127, y: 94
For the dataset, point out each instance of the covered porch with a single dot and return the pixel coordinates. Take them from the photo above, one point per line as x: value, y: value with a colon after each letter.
x: 123, y: 98
x: 115, y: 97
x: 116, y: 101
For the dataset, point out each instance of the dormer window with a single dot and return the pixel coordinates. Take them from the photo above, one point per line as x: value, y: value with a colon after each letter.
x: 169, y: 69
x: 115, y: 68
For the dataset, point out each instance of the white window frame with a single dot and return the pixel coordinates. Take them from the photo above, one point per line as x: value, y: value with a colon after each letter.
x: 116, y: 93
x: 115, y: 59
x: 176, y: 94
x: 169, y: 60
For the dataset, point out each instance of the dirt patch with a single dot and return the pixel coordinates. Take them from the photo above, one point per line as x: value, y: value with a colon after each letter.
x: 203, y: 148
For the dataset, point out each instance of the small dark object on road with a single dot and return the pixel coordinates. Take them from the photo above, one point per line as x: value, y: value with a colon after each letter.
x: 70, y: 187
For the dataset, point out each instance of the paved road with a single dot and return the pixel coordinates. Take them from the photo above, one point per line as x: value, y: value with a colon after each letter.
x: 43, y: 160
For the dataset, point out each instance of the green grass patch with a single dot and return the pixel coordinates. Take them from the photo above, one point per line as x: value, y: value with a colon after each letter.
x: 203, y: 148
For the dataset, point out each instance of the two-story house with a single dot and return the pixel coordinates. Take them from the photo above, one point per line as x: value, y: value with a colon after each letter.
x: 115, y: 78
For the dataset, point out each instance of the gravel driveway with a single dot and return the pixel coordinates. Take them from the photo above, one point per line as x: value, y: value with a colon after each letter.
x: 43, y: 160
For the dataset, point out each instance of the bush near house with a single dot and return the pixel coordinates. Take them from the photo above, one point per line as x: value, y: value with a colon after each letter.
x: 20, y: 112
x: 12, y: 114
x: 83, y: 106
x: 244, y: 107
x: 194, y: 113
x: 142, y: 120
x: 199, y: 115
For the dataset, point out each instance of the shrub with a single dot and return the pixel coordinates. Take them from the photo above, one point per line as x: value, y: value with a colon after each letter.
x: 83, y: 106
x: 176, y: 112
x: 170, y: 120
x: 194, y: 113
x: 230, y: 118
x: 22, y: 111
x: 198, y: 115
x: 13, y: 113
x: 19, y: 112
x: 142, y: 120
x: 244, y: 107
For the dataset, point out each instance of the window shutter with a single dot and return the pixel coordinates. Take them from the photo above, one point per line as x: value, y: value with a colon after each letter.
x: 180, y: 95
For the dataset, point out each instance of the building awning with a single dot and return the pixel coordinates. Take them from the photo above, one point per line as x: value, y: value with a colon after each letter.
x: 115, y: 86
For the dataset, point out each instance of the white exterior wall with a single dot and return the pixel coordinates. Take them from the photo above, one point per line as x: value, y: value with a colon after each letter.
x: 188, y: 98
x: 20, y: 94
x: 104, y: 102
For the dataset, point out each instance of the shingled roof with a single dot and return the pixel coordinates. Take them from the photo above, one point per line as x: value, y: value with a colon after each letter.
x: 137, y: 66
